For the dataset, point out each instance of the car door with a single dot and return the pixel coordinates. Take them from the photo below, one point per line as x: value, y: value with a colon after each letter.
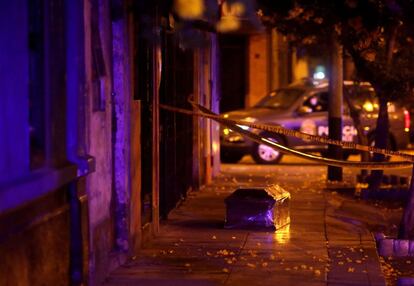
x: 311, y: 118
x: 349, y: 131
x: 318, y: 102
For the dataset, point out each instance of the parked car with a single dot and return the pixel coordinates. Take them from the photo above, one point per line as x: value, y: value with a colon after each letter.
x: 303, y: 106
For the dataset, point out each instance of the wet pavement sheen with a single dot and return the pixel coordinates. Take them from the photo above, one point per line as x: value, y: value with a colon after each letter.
x: 319, y: 247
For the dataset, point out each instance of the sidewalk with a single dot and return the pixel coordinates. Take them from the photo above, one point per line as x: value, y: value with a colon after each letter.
x: 321, y: 246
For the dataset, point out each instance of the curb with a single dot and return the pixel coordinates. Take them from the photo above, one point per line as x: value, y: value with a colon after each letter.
x: 393, y: 246
x: 405, y: 281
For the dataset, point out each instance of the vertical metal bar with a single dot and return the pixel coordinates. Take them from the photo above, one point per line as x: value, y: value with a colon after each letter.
x: 196, y: 122
x: 157, y: 66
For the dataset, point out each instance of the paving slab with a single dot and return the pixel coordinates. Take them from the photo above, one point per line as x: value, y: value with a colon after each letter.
x: 320, y: 246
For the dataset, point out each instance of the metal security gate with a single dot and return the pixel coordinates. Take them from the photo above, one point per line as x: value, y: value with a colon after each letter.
x: 176, y: 130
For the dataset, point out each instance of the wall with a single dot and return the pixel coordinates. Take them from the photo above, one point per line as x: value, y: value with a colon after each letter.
x: 34, y: 243
x: 92, y: 111
x: 283, y: 61
x: 36, y: 222
x: 99, y: 141
x: 300, y: 68
x: 272, y: 64
x: 258, y: 68
x: 122, y: 99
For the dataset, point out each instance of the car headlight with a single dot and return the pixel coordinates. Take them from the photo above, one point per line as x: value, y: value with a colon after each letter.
x: 247, y: 119
x: 226, y: 131
x: 244, y: 127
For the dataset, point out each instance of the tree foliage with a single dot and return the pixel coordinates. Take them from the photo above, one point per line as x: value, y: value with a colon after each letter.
x: 378, y: 35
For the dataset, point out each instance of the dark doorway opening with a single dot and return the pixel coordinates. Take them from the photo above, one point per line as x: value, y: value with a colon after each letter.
x: 145, y: 93
x: 233, y: 72
x: 176, y: 142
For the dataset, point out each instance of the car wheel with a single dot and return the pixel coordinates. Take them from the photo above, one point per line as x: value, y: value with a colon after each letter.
x: 228, y: 157
x: 263, y: 154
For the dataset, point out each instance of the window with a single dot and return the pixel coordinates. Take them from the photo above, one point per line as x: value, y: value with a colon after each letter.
x: 37, y: 130
x: 47, y: 83
x: 98, y: 63
x: 317, y: 102
x: 364, y: 99
x: 280, y: 99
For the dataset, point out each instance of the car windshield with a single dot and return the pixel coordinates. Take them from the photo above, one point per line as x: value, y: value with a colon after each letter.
x: 364, y: 99
x: 280, y: 99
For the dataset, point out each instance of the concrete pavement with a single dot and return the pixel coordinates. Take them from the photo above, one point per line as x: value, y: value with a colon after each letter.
x: 323, y: 245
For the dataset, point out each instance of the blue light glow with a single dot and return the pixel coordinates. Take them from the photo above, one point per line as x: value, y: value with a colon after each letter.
x: 319, y: 75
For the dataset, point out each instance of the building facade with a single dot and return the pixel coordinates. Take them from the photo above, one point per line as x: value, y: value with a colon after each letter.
x: 89, y: 162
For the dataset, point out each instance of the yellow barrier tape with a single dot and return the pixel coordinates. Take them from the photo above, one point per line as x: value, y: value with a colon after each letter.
x: 203, y: 112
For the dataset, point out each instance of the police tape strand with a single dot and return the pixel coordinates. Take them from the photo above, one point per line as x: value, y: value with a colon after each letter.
x: 233, y: 124
x: 316, y: 138
x: 327, y: 161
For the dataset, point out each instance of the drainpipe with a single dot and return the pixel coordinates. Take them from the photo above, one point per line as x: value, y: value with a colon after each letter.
x: 75, y: 130
x: 120, y: 128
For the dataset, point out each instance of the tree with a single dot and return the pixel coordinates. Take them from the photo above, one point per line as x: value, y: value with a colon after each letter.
x: 378, y: 35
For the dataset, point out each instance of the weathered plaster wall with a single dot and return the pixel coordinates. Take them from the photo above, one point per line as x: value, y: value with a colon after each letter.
x: 258, y: 68
x: 109, y: 142
x: 100, y: 124
x: 99, y: 145
x: 122, y: 114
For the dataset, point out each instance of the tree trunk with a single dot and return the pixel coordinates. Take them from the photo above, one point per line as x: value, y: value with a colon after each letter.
x: 356, y: 118
x: 335, y: 108
x: 406, y: 230
x: 382, y: 128
x: 381, y: 140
